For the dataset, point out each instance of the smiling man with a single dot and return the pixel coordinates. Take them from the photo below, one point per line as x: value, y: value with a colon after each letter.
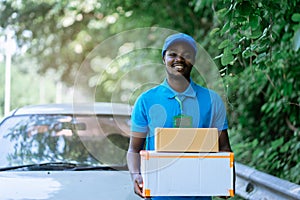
x: 177, y: 97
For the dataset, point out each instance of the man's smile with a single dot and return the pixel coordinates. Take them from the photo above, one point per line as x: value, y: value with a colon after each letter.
x: 178, y: 67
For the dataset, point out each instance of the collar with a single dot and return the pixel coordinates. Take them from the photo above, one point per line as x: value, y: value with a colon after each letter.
x: 189, y: 92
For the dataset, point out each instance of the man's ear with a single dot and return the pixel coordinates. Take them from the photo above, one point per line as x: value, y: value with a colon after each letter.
x: 163, y: 59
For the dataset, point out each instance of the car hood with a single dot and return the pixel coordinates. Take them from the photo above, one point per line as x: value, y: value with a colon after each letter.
x: 66, y: 185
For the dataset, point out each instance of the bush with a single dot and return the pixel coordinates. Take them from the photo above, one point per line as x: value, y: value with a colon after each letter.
x: 260, y: 51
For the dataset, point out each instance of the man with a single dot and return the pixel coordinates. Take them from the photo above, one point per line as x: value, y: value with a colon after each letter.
x: 177, y: 97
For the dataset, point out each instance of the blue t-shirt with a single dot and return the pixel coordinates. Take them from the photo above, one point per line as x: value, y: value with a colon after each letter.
x: 158, y: 106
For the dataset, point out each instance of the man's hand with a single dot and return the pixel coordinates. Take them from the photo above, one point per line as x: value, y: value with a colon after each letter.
x: 136, y: 144
x: 138, y: 185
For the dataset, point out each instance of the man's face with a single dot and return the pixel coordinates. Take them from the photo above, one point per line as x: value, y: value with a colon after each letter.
x: 179, y: 59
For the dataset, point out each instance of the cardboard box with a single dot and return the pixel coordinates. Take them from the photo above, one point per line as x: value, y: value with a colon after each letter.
x: 187, y: 174
x: 186, y: 140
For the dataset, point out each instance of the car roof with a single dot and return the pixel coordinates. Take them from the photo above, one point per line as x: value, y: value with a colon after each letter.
x: 103, y: 108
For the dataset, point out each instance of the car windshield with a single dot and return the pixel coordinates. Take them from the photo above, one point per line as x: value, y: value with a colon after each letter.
x: 86, y: 139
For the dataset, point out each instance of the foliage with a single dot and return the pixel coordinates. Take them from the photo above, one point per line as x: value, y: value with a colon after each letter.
x: 260, y: 51
x: 27, y: 86
x: 61, y: 33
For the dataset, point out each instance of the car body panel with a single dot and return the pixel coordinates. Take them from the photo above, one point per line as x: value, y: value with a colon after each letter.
x: 66, y: 185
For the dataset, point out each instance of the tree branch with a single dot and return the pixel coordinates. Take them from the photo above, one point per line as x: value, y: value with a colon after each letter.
x: 291, y: 126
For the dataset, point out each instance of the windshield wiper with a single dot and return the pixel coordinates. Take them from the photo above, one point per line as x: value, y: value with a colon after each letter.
x: 104, y: 168
x: 63, y: 166
x: 44, y: 166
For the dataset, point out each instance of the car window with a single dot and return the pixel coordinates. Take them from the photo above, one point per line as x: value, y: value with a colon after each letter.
x: 84, y: 139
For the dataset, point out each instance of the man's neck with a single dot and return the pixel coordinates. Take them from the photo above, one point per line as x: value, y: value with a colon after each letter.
x: 178, y: 84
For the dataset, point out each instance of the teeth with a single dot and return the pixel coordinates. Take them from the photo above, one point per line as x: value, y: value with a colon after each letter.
x: 179, y: 67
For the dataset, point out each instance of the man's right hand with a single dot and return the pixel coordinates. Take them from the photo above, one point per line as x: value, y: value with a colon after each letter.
x: 138, y: 185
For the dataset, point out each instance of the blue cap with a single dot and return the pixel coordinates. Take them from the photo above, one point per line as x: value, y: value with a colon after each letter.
x: 179, y: 37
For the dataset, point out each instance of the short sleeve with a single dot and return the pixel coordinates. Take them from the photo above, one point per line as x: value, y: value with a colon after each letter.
x: 219, y: 116
x: 139, y: 122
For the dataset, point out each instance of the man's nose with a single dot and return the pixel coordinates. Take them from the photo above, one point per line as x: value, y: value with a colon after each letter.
x: 179, y: 58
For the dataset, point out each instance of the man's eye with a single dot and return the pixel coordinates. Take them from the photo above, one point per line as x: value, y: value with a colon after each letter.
x: 187, y: 56
x: 172, y: 54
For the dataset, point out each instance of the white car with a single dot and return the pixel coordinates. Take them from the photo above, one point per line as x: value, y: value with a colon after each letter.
x: 66, y: 152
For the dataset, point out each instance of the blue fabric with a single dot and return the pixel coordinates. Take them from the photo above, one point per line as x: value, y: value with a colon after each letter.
x: 179, y: 37
x: 157, y: 107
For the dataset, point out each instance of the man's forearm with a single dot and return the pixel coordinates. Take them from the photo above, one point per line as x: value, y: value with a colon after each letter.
x: 133, y: 160
x: 224, y: 144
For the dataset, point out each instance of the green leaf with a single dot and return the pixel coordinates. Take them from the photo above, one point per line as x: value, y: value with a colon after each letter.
x: 266, y: 108
x: 276, y: 143
x: 244, y: 8
x: 258, y: 153
x: 248, y: 53
x: 236, y: 51
x: 260, y: 58
x: 255, y: 34
x: 296, y: 17
x: 227, y: 58
x: 225, y: 28
x: 224, y: 44
x: 223, y: 12
x: 255, y: 142
x: 296, y: 40
x: 254, y: 21
x: 286, y: 37
x: 214, y: 31
x: 240, y: 19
